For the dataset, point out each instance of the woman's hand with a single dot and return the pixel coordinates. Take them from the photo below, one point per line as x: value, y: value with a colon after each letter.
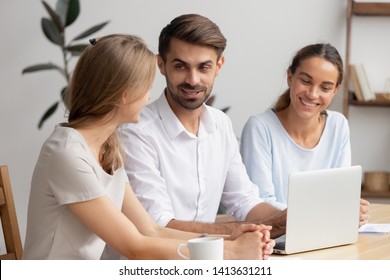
x: 269, y: 243
x: 247, y: 246
x: 364, y: 205
x: 265, y: 242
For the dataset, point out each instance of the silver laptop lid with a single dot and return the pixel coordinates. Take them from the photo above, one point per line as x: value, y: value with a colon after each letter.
x: 323, y: 208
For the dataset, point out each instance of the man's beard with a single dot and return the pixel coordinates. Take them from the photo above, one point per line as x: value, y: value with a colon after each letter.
x: 188, y: 103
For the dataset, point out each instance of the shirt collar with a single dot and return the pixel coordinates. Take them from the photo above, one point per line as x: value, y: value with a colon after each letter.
x: 173, y: 125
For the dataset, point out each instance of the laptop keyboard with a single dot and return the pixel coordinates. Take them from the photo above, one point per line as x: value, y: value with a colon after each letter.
x: 280, y: 242
x: 281, y: 245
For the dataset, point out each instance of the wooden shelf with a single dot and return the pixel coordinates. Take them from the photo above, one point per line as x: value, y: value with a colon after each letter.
x: 361, y: 9
x: 380, y: 100
x: 376, y: 194
x: 370, y: 9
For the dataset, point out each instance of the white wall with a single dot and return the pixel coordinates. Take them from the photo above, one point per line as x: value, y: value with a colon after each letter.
x: 262, y: 37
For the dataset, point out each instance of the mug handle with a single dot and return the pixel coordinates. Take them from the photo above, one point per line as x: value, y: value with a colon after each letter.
x: 182, y: 245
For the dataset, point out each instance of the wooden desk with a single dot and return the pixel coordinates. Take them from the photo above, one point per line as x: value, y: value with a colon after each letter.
x: 368, y: 247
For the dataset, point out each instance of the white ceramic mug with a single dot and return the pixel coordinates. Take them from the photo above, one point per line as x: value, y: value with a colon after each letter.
x: 203, y: 248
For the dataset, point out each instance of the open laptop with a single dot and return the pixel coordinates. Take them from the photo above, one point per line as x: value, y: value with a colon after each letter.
x: 322, y: 210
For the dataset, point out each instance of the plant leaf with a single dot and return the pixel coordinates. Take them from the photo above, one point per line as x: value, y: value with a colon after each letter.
x: 51, y: 32
x: 56, y: 19
x: 73, y: 12
x: 77, y: 49
x: 40, y: 67
x: 62, y: 10
x: 91, y: 31
x: 47, y: 114
x: 225, y: 109
x: 68, y: 10
x: 64, y: 95
x: 210, y: 101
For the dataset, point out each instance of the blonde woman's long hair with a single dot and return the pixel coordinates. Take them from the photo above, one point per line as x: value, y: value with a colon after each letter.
x: 106, y: 69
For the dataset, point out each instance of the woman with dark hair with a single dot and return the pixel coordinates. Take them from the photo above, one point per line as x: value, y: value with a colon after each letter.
x: 299, y: 133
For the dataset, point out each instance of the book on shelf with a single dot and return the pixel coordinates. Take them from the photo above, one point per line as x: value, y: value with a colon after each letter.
x: 355, y: 84
x: 365, y: 87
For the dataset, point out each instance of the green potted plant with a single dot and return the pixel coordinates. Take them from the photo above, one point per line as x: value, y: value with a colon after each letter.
x: 54, y: 28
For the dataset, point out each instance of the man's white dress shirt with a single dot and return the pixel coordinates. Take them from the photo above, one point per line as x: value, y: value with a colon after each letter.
x: 178, y: 175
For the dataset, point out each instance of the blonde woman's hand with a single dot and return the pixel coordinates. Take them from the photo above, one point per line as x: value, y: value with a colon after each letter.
x: 266, y: 241
x: 244, y: 228
x: 249, y: 246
